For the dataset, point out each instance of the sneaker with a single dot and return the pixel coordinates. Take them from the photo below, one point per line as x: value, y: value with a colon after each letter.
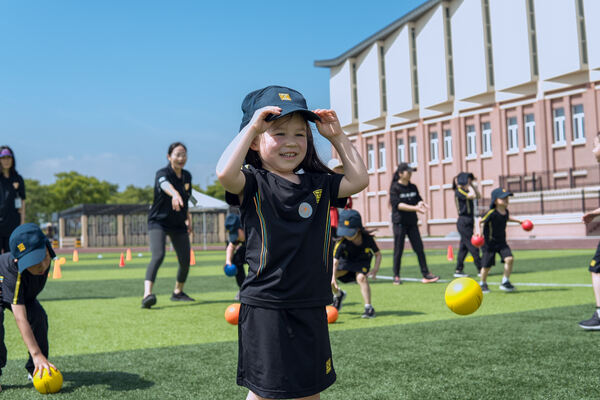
x: 148, y: 301
x: 369, y: 313
x: 484, y: 288
x: 397, y: 280
x: 181, y: 296
x: 430, y: 278
x: 29, y: 377
x: 507, y: 286
x: 337, y: 300
x: 592, y: 324
x: 460, y: 274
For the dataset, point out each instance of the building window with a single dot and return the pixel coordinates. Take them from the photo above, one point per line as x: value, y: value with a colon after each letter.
x: 447, y: 145
x: 513, y: 134
x: 529, y: 132
x: 354, y: 93
x: 370, y: 158
x: 488, y: 41
x: 471, y: 142
x: 581, y: 31
x: 412, y: 156
x: 382, y: 72
x: 578, y: 122
x: 433, y: 148
x: 532, y: 37
x: 559, y: 126
x: 486, y: 139
x: 413, y: 51
x: 400, y: 146
x: 381, y: 161
x: 449, y: 63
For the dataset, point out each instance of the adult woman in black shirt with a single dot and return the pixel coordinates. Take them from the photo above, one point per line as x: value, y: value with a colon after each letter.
x: 12, y: 197
x: 406, y: 202
x: 169, y: 216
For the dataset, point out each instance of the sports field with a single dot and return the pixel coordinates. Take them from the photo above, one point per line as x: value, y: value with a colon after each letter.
x: 522, y: 345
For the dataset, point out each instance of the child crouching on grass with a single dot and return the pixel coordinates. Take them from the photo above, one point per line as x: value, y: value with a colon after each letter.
x: 352, y: 259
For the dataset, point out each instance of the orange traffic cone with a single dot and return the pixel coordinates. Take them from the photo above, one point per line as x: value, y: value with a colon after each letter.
x: 128, y: 255
x: 122, y: 261
x: 192, y: 257
x: 450, y: 253
x: 75, y: 256
x: 56, y: 272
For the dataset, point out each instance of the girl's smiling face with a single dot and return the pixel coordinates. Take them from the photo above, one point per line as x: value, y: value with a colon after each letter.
x: 283, y: 146
x: 178, y: 157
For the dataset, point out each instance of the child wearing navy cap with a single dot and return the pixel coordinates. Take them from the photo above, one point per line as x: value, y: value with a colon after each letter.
x: 284, y: 192
x: 23, y: 275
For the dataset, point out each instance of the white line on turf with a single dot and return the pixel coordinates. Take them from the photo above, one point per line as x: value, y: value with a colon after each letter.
x: 390, y: 278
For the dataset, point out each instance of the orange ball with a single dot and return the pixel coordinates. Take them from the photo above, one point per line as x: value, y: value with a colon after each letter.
x: 332, y: 314
x: 232, y: 313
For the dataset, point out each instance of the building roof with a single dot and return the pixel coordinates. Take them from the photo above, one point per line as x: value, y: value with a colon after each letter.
x: 380, y: 35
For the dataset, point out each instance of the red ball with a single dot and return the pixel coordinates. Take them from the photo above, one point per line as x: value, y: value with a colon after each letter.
x: 477, y: 241
x: 332, y: 314
x: 232, y: 313
x: 527, y: 225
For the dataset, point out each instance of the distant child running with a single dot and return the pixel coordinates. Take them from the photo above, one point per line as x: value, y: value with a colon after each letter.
x: 284, y: 192
x: 352, y: 259
x: 235, y: 253
x: 465, y: 191
x: 594, y: 267
x: 494, y: 234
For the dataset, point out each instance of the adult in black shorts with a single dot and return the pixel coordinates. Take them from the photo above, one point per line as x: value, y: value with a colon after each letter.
x: 465, y: 191
x: 406, y: 202
x: 236, y: 248
x: 12, y: 197
x: 169, y: 216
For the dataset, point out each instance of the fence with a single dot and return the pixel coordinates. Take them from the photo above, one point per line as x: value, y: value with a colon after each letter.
x: 549, y: 180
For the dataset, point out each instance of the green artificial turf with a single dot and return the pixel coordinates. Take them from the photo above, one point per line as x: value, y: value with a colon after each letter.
x: 518, y: 345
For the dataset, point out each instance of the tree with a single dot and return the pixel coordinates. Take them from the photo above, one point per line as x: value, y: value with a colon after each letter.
x: 133, y: 195
x: 38, y: 207
x: 216, y: 190
x: 72, y: 188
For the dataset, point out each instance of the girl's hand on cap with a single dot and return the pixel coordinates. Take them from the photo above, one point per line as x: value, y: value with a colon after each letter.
x: 329, y: 126
x: 258, y: 122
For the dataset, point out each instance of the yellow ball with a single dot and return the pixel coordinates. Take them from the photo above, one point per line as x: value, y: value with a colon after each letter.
x: 463, y: 296
x: 48, y: 384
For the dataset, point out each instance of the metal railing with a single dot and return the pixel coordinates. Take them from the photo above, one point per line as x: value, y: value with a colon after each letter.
x: 550, y: 180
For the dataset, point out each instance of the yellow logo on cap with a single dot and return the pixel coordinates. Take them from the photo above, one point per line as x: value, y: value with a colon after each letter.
x: 347, y: 223
x: 317, y: 194
x: 503, y: 190
x: 285, y: 96
x: 21, y: 247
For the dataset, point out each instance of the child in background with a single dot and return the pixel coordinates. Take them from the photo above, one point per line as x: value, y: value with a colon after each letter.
x: 236, y: 248
x: 494, y: 233
x: 285, y: 192
x: 352, y: 260
x: 465, y: 192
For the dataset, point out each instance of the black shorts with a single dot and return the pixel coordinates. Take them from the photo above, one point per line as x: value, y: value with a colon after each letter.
x: 350, y: 276
x: 284, y: 353
x: 595, y: 263
x: 488, y: 259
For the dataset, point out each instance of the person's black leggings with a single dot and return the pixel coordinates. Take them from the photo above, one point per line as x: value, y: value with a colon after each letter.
x: 400, y: 233
x: 465, y: 229
x: 181, y: 244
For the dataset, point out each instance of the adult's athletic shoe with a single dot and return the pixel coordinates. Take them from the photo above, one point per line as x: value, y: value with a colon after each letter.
x: 484, y: 288
x: 430, y: 278
x: 460, y: 274
x: 369, y: 312
x: 507, y: 287
x: 592, y: 324
x: 148, y: 301
x: 397, y: 280
x: 337, y: 300
x: 181, y: 296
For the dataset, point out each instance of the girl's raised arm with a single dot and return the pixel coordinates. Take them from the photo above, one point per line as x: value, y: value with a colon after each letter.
x: 355, y: 173
x: 229, y: 166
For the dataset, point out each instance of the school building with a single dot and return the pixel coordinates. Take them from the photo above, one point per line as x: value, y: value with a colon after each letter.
x: 506, y: 89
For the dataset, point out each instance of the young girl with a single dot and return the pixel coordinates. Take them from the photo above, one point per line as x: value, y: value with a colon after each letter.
x: 284, y: 192
x: 465, y: 191
x: 406, y: 202
x: 169, y: 216
x: 352, y: 259
x: 12, y: 197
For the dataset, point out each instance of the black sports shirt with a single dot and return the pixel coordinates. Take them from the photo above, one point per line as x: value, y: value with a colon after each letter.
x: 10, y: 188
x: 494, y: 228
x: 288, y: 238
x: 161, y: 213
x: 352, y: 256
x: 19, y: 288
x: 464, y: 206
x: 407, y: 194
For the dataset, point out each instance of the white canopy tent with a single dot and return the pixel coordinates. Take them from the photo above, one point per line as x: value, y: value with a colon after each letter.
x: 203, y: 203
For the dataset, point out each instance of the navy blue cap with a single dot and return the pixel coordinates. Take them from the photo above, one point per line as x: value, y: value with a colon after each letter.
x: 232, y: 224
x: 28, y: 245
x: 349, y: 223
x: 463, y: 178
x: 289, y: 100
x: 499, y: 193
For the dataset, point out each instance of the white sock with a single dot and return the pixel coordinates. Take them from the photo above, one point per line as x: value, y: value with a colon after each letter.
x: 504, y: 279
x: 367, y: 305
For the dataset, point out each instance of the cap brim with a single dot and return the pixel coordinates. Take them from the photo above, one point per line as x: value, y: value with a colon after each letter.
x: 32, y: 258
x: 308, y: 115
x: 345, y: 231
x: 504, y: 195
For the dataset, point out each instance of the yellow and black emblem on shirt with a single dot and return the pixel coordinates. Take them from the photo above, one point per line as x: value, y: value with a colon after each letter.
x: 318, y: 194
x: 187, y: 186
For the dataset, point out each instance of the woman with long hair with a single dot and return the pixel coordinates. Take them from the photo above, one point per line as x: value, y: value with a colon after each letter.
x: 12, y: 197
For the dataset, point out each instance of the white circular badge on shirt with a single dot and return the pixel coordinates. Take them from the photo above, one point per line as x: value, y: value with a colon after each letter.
x: 305, y: 210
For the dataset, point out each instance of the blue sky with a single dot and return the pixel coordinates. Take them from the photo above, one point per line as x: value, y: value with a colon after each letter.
x: 103, y: 87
